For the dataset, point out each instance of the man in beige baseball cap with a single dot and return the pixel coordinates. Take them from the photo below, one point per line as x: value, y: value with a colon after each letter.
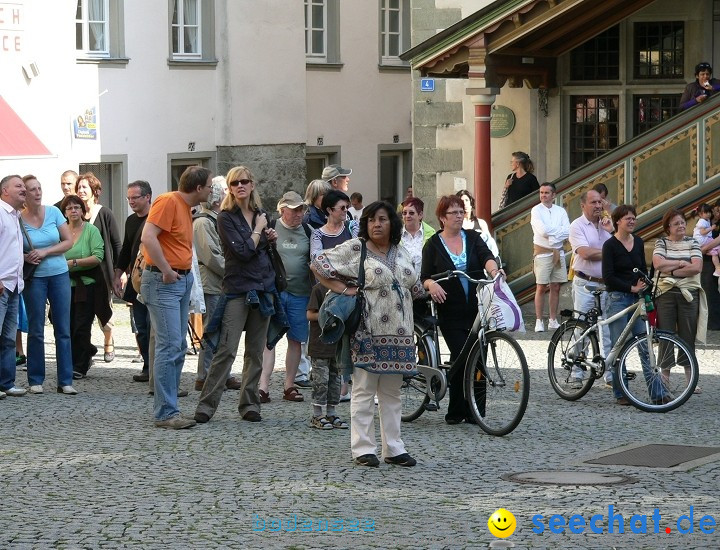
x: 337, y: 176
x: 290, y: 200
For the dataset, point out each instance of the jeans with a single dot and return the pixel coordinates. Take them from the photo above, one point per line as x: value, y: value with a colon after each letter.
x: 168, y: 305
x: 583, y: 300
x: 617, y: 301
x: 9, y: 317
x: 56, y: 290
x: 141, y: 317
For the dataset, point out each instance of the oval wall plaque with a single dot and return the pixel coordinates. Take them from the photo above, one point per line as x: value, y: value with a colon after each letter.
x: 502, y: 121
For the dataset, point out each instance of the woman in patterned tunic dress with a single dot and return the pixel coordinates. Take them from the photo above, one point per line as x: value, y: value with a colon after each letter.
x: 383, y: 348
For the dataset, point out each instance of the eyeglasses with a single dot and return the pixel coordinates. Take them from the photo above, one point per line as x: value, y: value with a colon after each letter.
x: 135, y: 197
x: 704, y: 66
x: 234, y: 183
x: 343, y: 208
x: 409, y: 213
x: 455, y: 213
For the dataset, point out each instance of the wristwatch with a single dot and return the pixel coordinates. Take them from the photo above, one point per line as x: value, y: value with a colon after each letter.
x: 74, y: 263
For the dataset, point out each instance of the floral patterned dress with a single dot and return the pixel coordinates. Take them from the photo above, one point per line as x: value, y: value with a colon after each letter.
x: 384, y: 343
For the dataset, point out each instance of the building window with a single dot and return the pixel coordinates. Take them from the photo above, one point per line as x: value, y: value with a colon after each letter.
x: 92, y: 24
x: 186, y: 29
x: 322, y: 31
x: 593, y: 127
x: 598, y: 58
x: 394, y: 30
x: 315, y: 29
x: 659, y: 49
x: 395, y: 173
x: 651, y: 109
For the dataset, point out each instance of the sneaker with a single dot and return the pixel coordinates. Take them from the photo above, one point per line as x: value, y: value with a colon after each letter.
x: 37, y: 390
x: 2, y: 395
x: 367, y: 460
x: 202, y: 418
x: 553, y: 324
x: 15, y: 391
x: 716, y: 273
x: 401, y: 460
x: 176, y: 422
x: 575, y: 384
x: 321, y: 423
x: 67, y: 390
x: 539, y: 327
x: 77, y: 375
x: 344, y: 398
x: 303, y: 383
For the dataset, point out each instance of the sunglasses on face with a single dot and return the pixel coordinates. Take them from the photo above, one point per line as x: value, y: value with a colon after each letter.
x: 343, y: 208
x: 235, y: 183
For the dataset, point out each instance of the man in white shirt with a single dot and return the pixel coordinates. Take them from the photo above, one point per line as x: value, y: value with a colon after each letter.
x: 415, y: 231
x: 587, y: 235
x: 12, y: 198
x: 551, y: 228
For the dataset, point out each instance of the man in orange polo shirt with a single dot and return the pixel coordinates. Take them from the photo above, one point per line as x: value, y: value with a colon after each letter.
x: 166, y: 282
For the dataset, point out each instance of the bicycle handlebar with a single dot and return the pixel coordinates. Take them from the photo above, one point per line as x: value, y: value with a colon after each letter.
x: 644, y: 276
x: 446, y: 275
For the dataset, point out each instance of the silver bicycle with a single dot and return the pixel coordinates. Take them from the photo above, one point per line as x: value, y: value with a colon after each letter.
x: 656, y: 370
x: 496, y: 376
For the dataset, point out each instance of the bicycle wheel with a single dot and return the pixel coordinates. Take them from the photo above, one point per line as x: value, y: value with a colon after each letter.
x: 497, y: 383
x: 666, y: 373
x: 414, y: 388
x: 567, y: 369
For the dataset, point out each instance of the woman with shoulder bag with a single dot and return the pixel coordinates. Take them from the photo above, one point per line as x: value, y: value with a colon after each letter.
x: 383, y: 346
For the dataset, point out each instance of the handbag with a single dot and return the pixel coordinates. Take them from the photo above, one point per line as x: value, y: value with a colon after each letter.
x: 28, y: 268
x: 352, y: 323
x: 279, y: 267
x: 136, y: 273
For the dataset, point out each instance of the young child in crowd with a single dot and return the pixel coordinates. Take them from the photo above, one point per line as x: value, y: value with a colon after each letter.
x: 703, y: 233
x: 325, y: 373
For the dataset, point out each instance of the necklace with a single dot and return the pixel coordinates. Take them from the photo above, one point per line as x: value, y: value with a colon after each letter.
x: 75, y: 232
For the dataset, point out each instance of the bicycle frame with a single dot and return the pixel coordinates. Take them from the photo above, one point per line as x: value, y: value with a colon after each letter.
x: 436, y: 375
x: 639, y: 310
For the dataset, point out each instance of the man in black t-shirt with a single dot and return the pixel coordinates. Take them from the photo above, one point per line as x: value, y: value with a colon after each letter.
x: 139, y: 196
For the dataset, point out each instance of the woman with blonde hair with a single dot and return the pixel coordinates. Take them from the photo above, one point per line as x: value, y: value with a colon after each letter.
x: 249, y: 280
x: 314, y: 215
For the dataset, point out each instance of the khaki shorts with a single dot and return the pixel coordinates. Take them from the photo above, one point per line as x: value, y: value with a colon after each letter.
x: 546, y: 272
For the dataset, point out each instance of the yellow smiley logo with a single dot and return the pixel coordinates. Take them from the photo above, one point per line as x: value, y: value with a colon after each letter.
x: 501, y: 523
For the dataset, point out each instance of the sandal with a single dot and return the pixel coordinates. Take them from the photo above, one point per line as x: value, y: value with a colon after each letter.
x: 264, y: 396
x: 321, y: 423
x: 292, y: 394
x: 109, y: 355
x: 338, y: 423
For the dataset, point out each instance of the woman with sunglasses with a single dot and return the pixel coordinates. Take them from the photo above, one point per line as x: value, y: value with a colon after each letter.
x: 455, y: 248
x: 338, y: 228
x: 703, y: 87
x: 249, y: 281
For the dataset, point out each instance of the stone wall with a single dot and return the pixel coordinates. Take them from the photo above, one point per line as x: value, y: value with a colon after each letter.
x: 277, y: 168
x: 432, y: 110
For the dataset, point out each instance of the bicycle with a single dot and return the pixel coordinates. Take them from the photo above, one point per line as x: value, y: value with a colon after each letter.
x: 575, y: 362
x: 496, y: 377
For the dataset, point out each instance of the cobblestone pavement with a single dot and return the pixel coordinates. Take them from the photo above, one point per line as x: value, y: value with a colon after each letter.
x: 91, y: 471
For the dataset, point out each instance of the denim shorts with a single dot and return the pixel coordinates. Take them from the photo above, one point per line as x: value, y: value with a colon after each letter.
x: 296, y: 310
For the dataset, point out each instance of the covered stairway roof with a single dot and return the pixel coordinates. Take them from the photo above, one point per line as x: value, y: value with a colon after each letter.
x: 517, y: 39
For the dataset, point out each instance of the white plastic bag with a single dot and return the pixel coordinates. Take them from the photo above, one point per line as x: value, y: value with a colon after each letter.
x: 502, y: 306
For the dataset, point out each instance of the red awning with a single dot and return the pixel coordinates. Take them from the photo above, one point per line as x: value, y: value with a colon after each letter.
x: 16, y: 139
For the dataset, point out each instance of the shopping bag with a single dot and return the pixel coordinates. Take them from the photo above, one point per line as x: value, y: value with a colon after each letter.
x: 501, y: 305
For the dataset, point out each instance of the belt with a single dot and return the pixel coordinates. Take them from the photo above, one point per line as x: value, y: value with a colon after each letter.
x: 157, y: 270
x: 589, y: 278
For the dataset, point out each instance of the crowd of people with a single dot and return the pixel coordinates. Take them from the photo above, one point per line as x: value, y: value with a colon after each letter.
x: 292, y: 274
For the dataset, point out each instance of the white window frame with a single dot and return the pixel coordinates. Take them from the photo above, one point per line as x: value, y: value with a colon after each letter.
x: 386, y: 33
x: 309, y: 29
x: 85, y: 22
x: 179, y: 8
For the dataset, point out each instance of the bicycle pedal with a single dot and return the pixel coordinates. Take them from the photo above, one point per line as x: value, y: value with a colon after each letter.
x: 431, y: 407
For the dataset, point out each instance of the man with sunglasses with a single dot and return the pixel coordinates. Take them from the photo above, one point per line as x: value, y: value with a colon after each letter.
x: 703, y: 87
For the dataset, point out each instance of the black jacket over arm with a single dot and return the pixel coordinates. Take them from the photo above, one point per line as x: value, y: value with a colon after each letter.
x: 457, y: 311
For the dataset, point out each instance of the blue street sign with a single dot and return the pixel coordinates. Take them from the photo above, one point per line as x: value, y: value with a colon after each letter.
x: 427, y: 84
